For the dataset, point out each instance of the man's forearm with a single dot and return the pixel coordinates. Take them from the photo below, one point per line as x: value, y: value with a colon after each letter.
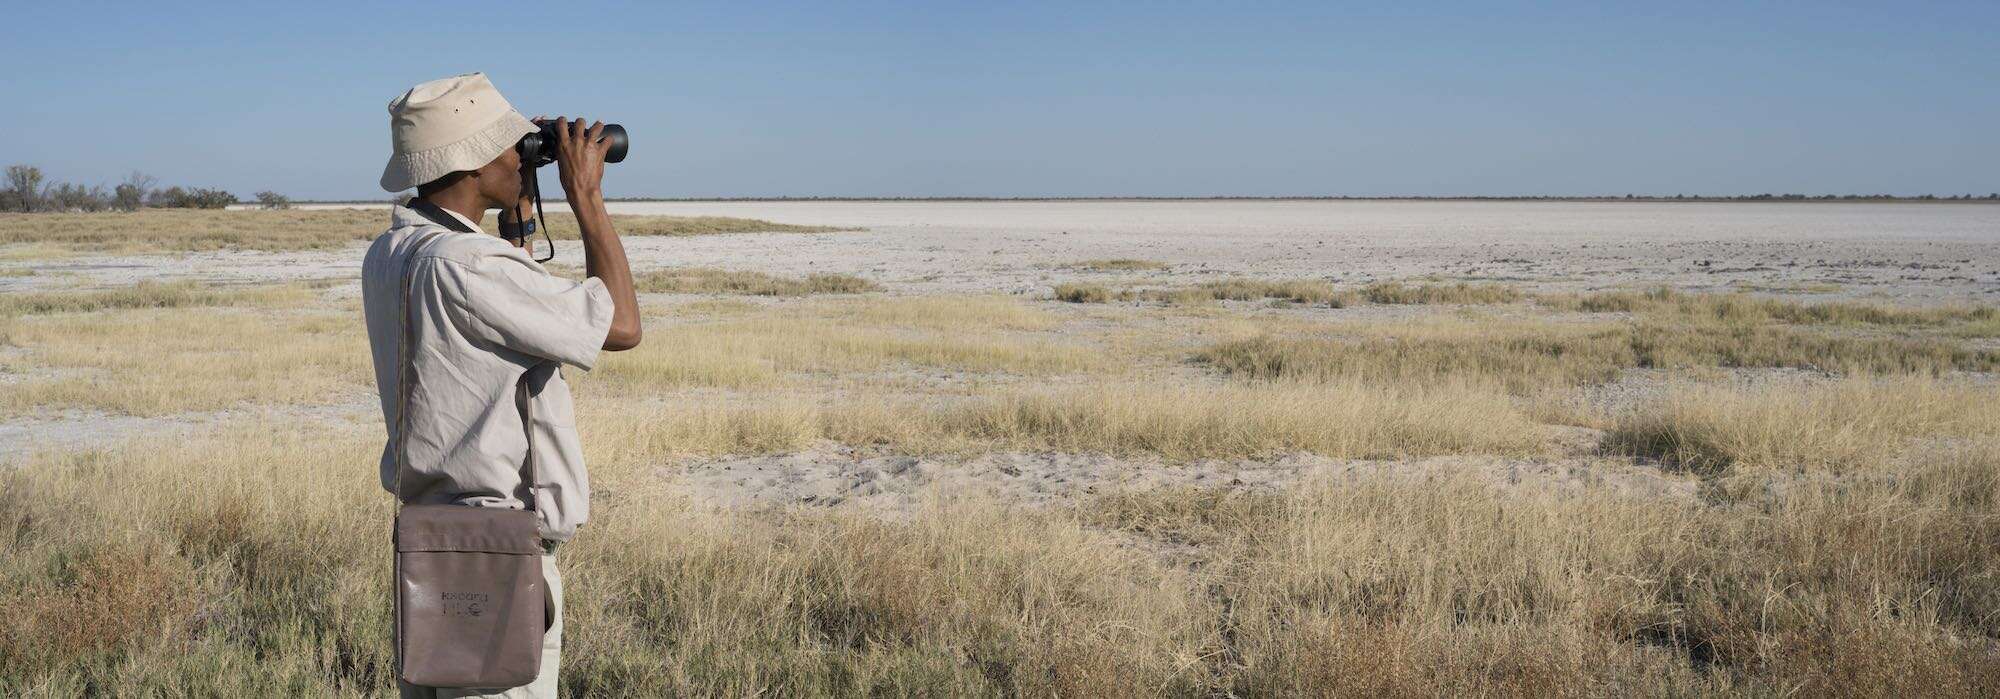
x: 604, y: 258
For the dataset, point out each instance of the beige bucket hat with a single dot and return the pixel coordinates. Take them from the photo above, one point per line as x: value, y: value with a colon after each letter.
x: 444, y: 126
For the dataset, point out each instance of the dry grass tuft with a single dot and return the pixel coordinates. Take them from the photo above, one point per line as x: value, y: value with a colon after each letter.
x: 190, y: 230
x: 764, y: 349
x: 1117, y: 264
x: 702, y: 280
x: 1858, y: 424
x: 1746, y: 309
x: 146, y: 361
x: 1303, y: 291
x: 1174, y: 423
x: 1433, y: 583
x: 1458, y: 294
x: 1085, y: 293
x: 148, y: 294
x: 1521, y: 356
x: 1528, y: 356
x: 954, y: 313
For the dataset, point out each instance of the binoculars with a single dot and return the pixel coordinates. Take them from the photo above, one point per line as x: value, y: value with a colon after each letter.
x: 539, y: 148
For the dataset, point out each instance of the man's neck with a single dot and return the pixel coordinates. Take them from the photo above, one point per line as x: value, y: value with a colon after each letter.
x: 465, y: 203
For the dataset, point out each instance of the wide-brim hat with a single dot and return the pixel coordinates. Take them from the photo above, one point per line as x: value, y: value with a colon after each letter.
x: 444, y: 126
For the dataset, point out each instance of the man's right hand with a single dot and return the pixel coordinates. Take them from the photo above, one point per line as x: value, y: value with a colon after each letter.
x: 580, y: 160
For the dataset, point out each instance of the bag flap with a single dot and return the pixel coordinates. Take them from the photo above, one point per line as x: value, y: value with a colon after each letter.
x: 466, y: 528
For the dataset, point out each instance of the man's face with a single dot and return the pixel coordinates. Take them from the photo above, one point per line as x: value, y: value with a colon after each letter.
x: 500, y: 180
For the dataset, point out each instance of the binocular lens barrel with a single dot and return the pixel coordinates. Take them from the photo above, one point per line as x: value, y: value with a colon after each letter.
x: 614, y: 136
x: 539, y: 148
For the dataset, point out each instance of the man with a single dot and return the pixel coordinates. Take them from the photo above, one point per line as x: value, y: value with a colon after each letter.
x: 485, y: 318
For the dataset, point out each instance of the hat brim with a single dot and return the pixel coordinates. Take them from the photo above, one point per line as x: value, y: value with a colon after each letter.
x: 407, y: 170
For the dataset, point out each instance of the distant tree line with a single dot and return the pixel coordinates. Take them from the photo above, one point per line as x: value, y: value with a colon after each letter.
x: 27, y: 192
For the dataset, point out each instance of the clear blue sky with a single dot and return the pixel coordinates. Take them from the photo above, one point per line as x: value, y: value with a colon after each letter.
x: 1028, y: 99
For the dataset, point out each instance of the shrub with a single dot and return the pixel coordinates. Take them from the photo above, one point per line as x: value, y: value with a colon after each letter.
x: 273, y: 200
x: 1082, y: 293
x: 130, y: 195
x: 68, y: 196
x: 24, y: 188
x: 177, y: 198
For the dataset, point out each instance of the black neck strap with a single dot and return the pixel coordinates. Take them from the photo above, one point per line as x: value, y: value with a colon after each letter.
x: 439, y: 216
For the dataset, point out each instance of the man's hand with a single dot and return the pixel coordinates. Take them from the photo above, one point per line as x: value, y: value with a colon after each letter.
x: 580, y: 158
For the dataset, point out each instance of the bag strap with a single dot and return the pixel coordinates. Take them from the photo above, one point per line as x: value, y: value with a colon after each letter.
x: 526, y: 405
x: 405, y: 364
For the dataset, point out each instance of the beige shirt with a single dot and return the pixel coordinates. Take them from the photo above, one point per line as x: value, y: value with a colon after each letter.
x: 484, y: 315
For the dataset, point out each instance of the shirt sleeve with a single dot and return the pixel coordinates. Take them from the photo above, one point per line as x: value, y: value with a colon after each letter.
x: 503, y: 298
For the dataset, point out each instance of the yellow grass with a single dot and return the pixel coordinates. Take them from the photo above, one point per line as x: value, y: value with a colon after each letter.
x: 1462, y: 294
x: 1522, y: 356
x: 1439, y: 585
x: 1823, y: 536
x: 1743, y: 308
x: 1859, y: 424
x: 939, y: 312
x: 272, y: 576
x: 1305, y: 291
x: 1175, y: 423
x: 762, y: 349
x: 188, y: 230
x: 1532, y: 355
x: 161, y: 362
x: 153, y: 295
x: 269, y: 574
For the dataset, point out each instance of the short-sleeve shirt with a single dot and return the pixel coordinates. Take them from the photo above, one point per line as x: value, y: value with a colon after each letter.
x: 484, y: 315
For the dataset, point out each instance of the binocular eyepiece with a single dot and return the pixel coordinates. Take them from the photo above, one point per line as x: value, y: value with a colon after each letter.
x: 539, y: 148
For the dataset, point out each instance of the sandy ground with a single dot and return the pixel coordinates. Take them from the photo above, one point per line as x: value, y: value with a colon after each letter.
x: 836, y: 476
x: 1905, y: 252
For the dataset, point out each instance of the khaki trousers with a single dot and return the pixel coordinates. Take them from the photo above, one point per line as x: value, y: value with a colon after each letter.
x: 544, y: 686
